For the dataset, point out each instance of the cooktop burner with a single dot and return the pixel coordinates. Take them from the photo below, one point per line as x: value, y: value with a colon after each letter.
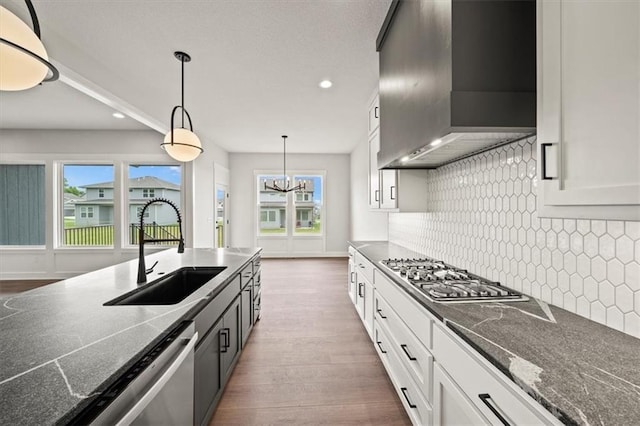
x: 440, y: 282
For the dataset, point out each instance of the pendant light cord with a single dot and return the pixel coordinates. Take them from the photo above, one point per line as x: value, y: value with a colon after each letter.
x: 285, y: 182
x: 182, y: 98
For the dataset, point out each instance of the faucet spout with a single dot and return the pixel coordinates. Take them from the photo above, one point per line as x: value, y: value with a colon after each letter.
x: 142, y: 270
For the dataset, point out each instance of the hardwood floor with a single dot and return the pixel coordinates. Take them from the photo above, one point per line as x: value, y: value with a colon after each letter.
x: 16, y: 286
x: 309, y: 359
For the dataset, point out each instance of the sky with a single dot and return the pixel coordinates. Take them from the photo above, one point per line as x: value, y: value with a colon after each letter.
x: 80, y: 175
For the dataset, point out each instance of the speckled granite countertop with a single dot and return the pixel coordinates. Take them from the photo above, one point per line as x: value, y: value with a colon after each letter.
x: 60, y: 347
x: 588, y: 374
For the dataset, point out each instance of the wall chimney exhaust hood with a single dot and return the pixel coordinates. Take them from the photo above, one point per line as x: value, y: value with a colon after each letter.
x: 456, y: 77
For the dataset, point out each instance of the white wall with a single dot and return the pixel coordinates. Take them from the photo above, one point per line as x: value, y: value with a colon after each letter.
x: 366, y: 224
x: 50, y: 146
x: 336, y: 194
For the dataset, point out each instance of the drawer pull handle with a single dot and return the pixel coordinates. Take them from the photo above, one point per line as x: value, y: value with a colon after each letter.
x: 485, y: 397
x: 380, y: 314
x: 406, y: 352
x: 404, y: 393
x: 380, y: 346
x: 360, y: 285
x: 361, y: 265
x: 352, y: 276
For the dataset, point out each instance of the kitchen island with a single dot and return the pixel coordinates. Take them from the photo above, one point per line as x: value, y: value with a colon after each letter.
x: 60, y: 347
x: 582, y: 372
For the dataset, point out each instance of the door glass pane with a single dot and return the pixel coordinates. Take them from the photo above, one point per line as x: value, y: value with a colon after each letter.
x: 272, y: 206
x: 220, y: 215
x: 147, y: 182
x: 22, y: 204
x: 88, y: 205
x: 308, y: 204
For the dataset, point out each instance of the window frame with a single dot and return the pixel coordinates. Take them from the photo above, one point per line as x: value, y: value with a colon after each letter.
x: 290, y: 206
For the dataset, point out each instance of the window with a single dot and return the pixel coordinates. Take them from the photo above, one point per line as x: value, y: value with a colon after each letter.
x: 22, y: 204
x: 88, y: 210
x: 160, y: 220
x: 139, y: 211
x: 308, y: 205
x: 272, y: 206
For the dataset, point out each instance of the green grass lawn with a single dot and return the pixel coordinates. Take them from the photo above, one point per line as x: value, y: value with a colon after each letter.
x: 316, y: 229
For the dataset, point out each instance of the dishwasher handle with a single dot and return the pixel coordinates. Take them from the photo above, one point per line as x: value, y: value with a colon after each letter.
x: 135, y: 411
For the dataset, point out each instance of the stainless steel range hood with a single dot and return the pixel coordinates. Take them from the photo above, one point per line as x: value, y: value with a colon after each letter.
x: 456, y: 77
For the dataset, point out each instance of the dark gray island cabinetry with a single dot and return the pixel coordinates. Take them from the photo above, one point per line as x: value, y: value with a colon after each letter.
x: 63, y: 348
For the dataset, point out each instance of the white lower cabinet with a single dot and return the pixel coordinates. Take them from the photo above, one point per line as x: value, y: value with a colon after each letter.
x: 352, y: 283
x: 450, y: 405
x: 430, y: 366
x: 500, y: 401
x: 414, y: 402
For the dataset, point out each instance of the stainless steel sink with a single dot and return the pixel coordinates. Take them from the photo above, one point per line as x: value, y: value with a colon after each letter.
x: 170, y: 289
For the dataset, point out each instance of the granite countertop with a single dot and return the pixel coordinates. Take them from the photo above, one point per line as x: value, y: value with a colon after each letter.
x: 582, y: 372
x: 60, y: 347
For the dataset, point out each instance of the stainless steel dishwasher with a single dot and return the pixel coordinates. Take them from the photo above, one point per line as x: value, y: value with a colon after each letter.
x: 157, y: 390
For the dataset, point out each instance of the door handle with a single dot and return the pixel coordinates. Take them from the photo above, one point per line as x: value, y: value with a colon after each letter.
x: 406, y: 352
x: 375, y: 112
x: 486, y: 398
x: 225, y: 345
x: 543, y: 160
x: 352, y: 276
x: 392, y: 195
x: 404, y: 393
x: 377, y: 197
x: 360, y: 285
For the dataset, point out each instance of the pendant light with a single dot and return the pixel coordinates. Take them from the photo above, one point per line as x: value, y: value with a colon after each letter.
x: 23, y: 59
x: 285, y: 188
x: 181, y: 143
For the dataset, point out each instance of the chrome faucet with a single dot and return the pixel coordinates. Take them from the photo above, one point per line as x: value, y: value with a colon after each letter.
x: 142, y: 270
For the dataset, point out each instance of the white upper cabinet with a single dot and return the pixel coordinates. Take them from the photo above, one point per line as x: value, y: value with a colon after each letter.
x: 374, y: 115
x: 384, y: 184
x: 589, y: 109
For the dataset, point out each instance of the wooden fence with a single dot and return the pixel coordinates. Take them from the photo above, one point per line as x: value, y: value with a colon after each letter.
x: 102, y: 235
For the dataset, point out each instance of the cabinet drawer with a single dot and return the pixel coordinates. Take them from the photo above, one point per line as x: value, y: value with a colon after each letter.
x: 364, y: 267
x: 483, y: 388
x: 412, y: 314
x: 416, y: 406
x: 245, y: 275
x: 257, y: 263
x: 417, y: 360
x: 205, y: 319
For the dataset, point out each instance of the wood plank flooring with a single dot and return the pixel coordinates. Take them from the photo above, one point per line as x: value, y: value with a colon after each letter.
x: 16, y: 286
x: 309, y: 359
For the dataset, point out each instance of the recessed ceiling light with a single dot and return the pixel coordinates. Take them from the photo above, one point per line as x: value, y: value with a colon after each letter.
x: 436, y: 142
x: 404, y: 159
x: 118, y: 115
x: 325, y: 84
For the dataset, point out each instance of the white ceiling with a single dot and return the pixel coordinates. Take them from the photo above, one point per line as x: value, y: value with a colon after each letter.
x: 255, y: 69
x: 58, y: 106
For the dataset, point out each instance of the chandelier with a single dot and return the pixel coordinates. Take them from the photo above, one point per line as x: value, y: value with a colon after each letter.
x: 285, y: 182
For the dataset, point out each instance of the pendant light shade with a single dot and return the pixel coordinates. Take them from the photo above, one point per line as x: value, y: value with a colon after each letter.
x: 186, y: 145
x: 23, y: 59
x: 181, y: 143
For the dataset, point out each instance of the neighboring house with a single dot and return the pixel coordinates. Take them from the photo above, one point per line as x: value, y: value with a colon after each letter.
x: 273, y: 207
x: 97, y: 207
x: 70, y: 201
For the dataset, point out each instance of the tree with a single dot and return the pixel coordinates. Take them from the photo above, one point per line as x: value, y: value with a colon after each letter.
x: 72, y: 189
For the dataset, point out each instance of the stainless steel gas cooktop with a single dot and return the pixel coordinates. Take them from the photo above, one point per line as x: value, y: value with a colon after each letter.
x: 440, y: 282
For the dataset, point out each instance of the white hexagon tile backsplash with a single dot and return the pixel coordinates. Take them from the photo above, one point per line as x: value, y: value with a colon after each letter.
x: 483, y: 218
